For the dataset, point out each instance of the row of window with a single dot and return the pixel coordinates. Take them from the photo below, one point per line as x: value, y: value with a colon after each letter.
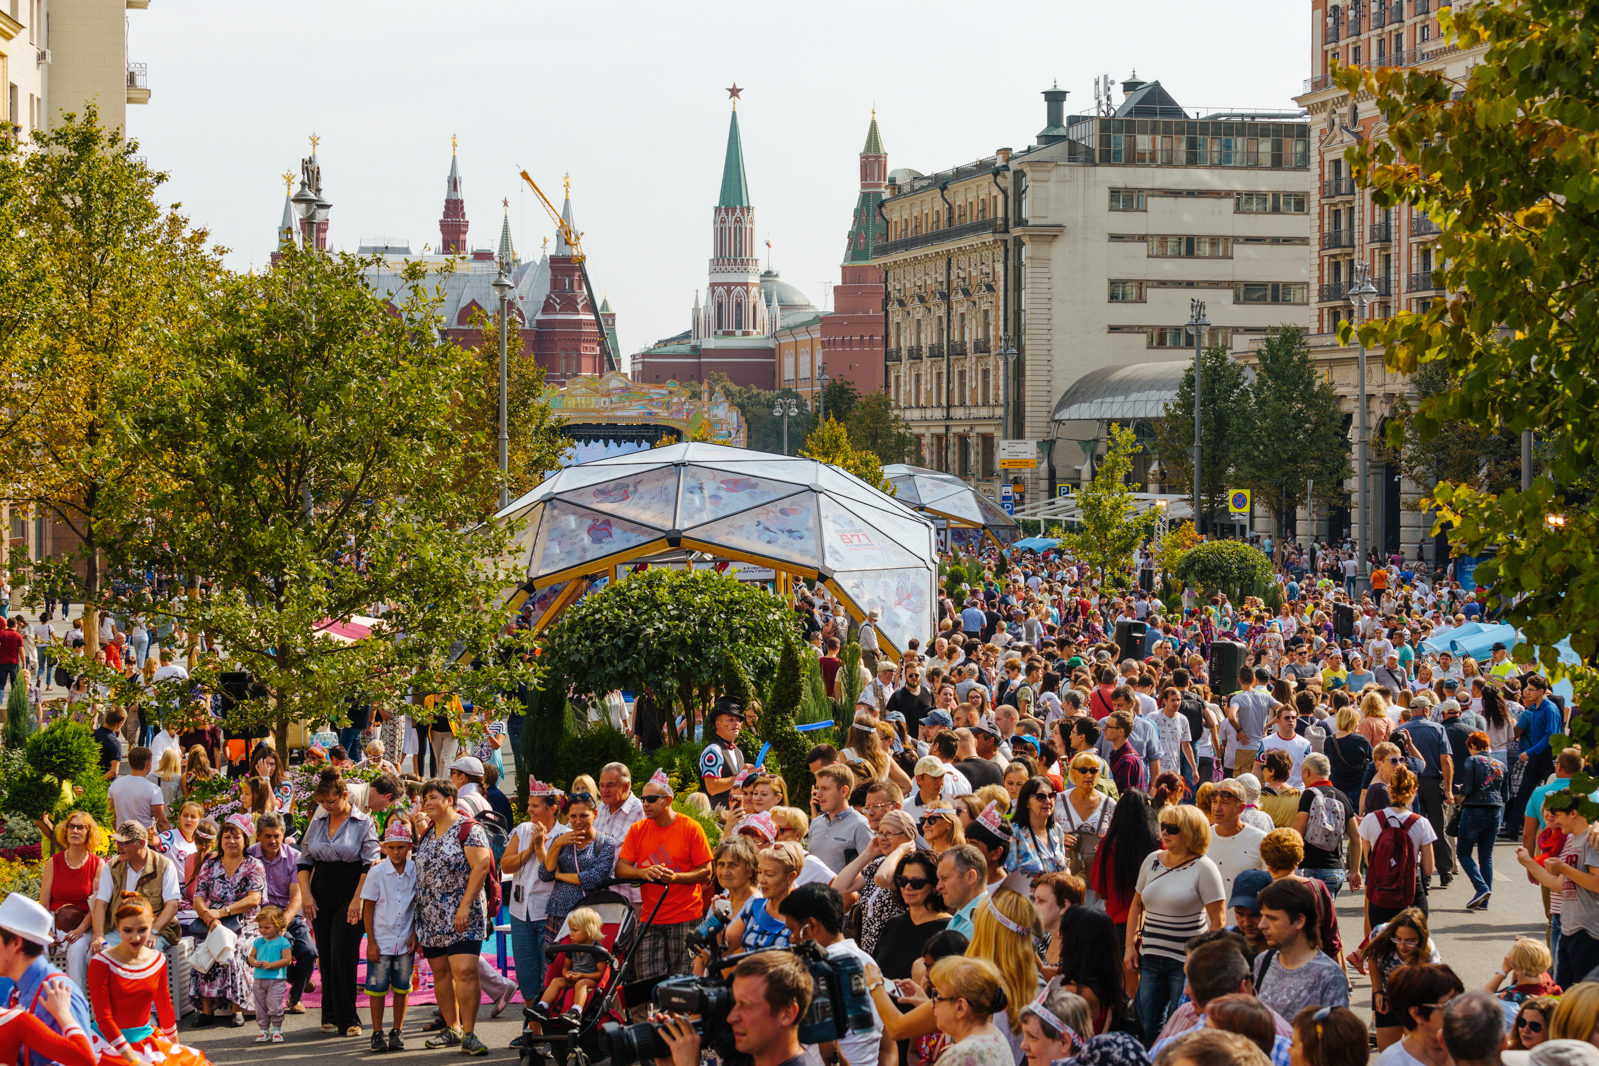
x: 1244, y: 203
x: 1182, y: 150
x: 978, y: 390
x: 1244, y: 292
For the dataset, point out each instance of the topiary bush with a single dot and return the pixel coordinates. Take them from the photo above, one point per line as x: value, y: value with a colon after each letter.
x: 789, y: 745
x: 19, y: 717
x: 1230, y: 567
x: 586, y: 752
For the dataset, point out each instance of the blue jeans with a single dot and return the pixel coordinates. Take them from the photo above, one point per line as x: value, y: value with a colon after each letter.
x: 1160, y: 986
x: 1555, y: 935
x: 527, y: 947
x: 1478, y: 828
x: 1332, y: 877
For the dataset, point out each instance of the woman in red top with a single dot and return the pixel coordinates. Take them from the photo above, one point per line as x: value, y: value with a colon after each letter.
x: 71, y: 874
x: 124, y: 982
x: 19, y: 1030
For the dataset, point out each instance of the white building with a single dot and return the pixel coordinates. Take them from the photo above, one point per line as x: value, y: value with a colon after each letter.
x: 61, y: 55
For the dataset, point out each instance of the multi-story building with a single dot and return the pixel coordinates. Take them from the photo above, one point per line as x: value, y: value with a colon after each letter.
x: 1038, y: 294
x: 23, y: 56
x: 1397, y: 245
x: 87, y: 58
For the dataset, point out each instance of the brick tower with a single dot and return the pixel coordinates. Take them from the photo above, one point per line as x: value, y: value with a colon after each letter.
x: 453, y: 224
x: 566, y: 340
x: 852, y: 336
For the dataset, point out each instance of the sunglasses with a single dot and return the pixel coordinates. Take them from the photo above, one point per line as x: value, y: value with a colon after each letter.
x: 1170, y: 828
x: 1529, y: 1024
x: 652, y: 799
x: 916, y: 884
x: 1395, y: 760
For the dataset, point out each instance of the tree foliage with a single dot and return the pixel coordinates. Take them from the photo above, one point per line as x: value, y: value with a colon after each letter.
x: 1224, y: 419
x: 1294, y: 430
x: 1231, y: 567
x: 317, y: 468
x: 1507, y: 162
x: 1456, y: 449
x: 1110, y: 528
x: 102, y: 283
x: 778, y: 715
x: 671, y: 635
x: 831, y: 443
x: 874, y: 425
x: 1174, y: 545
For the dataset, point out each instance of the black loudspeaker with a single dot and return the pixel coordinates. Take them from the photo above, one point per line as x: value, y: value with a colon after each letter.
x: 1146, y: 580
x: 1226, y: 659
x: 1344, y: 621
x: 1130, y: 640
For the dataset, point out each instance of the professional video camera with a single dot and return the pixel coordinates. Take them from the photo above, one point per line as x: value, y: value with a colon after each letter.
x: 704, y: 935
x: 839, y: 1004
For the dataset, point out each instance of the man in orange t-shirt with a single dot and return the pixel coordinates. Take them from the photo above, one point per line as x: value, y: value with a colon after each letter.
x: 671, y: 855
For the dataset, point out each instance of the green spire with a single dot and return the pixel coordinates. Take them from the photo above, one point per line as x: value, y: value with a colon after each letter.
x: 874, y: 142
x: 735, y: 192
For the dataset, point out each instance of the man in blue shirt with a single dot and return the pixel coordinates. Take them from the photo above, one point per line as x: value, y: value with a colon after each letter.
x: 972, y: 618
x: 1539, y: 723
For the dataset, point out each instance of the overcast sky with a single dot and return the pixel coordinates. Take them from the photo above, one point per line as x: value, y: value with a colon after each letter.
x: 628, y: 97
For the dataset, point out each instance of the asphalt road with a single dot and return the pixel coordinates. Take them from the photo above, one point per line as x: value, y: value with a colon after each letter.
x: 305, y: 1042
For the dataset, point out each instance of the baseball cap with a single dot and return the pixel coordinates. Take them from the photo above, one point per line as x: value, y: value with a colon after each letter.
x: 1246, y: 889
x: 129, y: 831
x: 932, y: 766
x: 470, y: 765
x: 938, y: 718
x: 987, y: 727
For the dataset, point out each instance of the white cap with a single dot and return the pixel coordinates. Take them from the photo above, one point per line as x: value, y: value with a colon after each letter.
x: 470, y: 765
x: 25, y: 918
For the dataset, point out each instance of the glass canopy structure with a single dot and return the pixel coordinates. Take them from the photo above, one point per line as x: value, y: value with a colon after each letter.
x: 949, y: 501
x: 800, y: 517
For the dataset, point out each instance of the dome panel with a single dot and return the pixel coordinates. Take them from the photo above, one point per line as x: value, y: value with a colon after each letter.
x: 571, y: 536
x: 785, y: 529
x: 849, y: 543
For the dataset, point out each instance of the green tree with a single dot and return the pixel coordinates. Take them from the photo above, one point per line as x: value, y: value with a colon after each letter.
x: 1504, y: 161
x: 673, y: 636
x: 1456, y: 449
x: 1293, y: 430
x: 317, y: 468
x: 101, y: 284
x: 1109, y: 527
x: 1230, y: 567
x: 840, y: 398
x: 777, y: 718
x: 764, y: 430
x: 1224, y: 417
x: 830, y: 443
x: 875, y: 426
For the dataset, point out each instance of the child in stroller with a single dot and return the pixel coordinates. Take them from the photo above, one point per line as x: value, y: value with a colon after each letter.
x: 579, y: 971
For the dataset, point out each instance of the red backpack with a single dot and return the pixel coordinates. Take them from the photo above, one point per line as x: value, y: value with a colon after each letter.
x: 491, y: 884
x: 1391, y: 877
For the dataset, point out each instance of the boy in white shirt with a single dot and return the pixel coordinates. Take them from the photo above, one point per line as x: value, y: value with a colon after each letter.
x: 389, y: 912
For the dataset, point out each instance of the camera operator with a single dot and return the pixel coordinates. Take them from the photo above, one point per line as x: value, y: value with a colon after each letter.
x: 771, y: 993
x: 816, y: 912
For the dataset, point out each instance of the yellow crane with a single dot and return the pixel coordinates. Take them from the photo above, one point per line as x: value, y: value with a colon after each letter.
x: 574, y: 241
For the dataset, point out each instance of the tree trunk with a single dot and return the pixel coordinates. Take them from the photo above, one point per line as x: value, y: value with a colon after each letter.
x: 91, y: 597
x: 194, y: 634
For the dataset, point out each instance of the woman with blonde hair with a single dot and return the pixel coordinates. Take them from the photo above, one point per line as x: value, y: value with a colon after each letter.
x: 758, y: 924
x: 71, y: 874
x: 866, y: 745
x: 1577, y: 1016
x: 941, y: 827
x: 1401, y: 791
x: 1003, y: 928
x: 967, y: 993
x: 1181, y: 894
x: 169, y: 775
x: 1348, y: 751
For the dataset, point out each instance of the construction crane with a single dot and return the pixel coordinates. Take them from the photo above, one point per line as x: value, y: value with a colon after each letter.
x: 574, y: 240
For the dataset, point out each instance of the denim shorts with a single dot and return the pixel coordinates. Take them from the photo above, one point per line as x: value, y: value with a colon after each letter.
x: 390, y: 973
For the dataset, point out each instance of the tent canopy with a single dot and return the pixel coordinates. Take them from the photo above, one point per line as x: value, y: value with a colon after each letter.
x: 947, y: 497
x: 801, y: 517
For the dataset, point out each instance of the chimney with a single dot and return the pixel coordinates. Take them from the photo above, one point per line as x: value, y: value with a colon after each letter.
x: 1055, y: 116
x: 1003, y: 155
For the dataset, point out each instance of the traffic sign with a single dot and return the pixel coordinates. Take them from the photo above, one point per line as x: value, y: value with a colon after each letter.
x: 1018, y: 455
x: 1238, y: 501
x: 1062, y: 491
x: 1007, y: 500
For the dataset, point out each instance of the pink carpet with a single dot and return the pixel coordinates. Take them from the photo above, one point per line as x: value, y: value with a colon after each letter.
x: 421, y: 983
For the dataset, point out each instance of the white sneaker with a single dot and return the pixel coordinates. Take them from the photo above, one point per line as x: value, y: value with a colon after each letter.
x: 263, y: 1038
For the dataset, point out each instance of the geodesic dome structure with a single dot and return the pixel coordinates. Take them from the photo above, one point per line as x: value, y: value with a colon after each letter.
x: 947, y: 499
x: 800, y: 517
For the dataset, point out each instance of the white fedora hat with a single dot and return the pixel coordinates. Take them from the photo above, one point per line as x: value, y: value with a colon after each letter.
x: 26, y: 918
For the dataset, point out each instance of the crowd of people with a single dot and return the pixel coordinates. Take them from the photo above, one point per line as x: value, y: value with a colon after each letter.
x: 1056, y: 829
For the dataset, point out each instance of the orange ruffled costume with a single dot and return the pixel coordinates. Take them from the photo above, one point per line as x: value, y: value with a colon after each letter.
x: 121, y: 997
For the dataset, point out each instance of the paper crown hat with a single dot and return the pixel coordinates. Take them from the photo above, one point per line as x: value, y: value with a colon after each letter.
x: 660, y: 778
x: 992, y: 820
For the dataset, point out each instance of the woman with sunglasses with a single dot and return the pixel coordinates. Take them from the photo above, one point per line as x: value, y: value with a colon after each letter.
x: 1418, y: 995
x: 1085, y: 812
x: 1179, y: 894
x: 1404, y: 941
x: 904, y: 937
x: 1038, y: 845
x: 72, y: 873
x: 1531, y: 1026
x: 941, y: 828
x: 895, y: 836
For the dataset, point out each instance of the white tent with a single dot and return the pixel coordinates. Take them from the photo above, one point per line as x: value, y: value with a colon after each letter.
x: 800, y: 517
x: 949, y: 500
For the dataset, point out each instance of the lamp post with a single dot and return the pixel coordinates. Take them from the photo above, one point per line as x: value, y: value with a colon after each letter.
x: 1197, y: 323
x: 1007, y: 355
x: 786, y: 407
x: 1361, y: 294
x: 502, y: 289
x: 821, y: 397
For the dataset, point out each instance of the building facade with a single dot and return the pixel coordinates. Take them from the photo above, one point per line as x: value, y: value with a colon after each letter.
x: 1349, y: 229
x: 61, y: 55
x: 1016, y: 277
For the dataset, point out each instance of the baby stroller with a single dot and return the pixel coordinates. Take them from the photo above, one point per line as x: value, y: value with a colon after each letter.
x: 579, y: 1045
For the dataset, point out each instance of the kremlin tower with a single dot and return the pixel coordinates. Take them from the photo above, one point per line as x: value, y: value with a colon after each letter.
x: 852, y: 336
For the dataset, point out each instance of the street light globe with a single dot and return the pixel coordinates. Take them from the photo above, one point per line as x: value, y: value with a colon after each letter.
x: 501, y: 284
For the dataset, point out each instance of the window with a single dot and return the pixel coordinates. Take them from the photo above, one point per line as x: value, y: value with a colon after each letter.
x: 985, y: 390
x: 1126, y: 292
x: 1168, y: 337
x: 1426, y: 32
x: 1270, y: 203
x: 1174, y: 247
x: 1260, y: 292
x: 1127, y: 199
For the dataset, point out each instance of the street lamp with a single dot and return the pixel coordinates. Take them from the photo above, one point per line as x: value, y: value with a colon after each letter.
x: 1361, y: 294
x: 502, y: 288
x: 1007, y: 353
x: 1198, y: 323
x: 786, y: 407
x: 821, y: 401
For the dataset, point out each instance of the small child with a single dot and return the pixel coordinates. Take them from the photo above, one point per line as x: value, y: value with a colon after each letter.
x: 389, y: 912
x: 581, y: 972
x: 270, y: 955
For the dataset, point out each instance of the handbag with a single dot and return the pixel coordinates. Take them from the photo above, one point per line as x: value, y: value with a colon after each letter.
x: 1081, y: 855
